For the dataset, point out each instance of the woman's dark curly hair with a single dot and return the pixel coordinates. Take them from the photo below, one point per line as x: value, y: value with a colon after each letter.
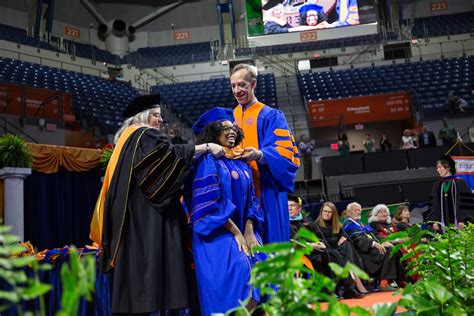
x: 321, y: 17
x: 211, y: 132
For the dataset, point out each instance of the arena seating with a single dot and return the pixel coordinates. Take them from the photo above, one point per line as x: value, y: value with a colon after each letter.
x: 441, y: 25
x: 91, y: 52
x: 308, y: 46
x: 191, y: 99
x: 150, y: 57
x: 17, y: 35
x: 429, y: 80
x: 94, y: 98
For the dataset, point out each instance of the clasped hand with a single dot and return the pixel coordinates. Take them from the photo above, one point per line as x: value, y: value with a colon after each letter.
x: 251, y: 153
x: 216, y: 150
x: 246, y: 242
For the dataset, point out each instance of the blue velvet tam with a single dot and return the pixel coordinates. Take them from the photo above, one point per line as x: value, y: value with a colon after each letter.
x: 310, y: 7
x: 212, y: 115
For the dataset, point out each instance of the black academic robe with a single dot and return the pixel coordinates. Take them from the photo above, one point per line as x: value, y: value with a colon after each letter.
x: 456, y: 204
x: 144, y: 224
x: 319, y: 258
x: 381, y: 230
x: 346, y: 249
x: 376, y: 264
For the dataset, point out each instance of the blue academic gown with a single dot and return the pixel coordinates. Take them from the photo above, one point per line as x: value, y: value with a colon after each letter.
x: 348, y: 13
x: 222, y: 189
x: 275, y: 174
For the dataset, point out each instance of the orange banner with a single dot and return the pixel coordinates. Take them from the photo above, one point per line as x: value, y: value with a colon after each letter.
x: 38, y: 102
x: 374, y: 108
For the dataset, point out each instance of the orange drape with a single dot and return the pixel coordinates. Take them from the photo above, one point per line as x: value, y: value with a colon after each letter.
x: 49, y: 158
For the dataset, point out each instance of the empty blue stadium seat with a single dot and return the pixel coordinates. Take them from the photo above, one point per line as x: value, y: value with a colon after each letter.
x: 198, y: 96
x: 94, y: 98
x: 430, y: 80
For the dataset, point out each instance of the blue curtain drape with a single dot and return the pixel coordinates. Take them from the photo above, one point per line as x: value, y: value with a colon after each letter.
x: 59, y: 207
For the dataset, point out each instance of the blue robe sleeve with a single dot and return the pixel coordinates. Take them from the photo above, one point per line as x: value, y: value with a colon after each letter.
x: 279, y: 150
x: 255, y: 212
x: 348, y: 12
x: 210, y: 206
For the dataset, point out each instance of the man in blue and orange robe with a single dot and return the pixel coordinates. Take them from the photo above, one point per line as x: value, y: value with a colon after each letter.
x: 270, y: 148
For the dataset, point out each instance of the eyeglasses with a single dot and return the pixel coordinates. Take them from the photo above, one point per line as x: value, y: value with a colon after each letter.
x: 229, y: 128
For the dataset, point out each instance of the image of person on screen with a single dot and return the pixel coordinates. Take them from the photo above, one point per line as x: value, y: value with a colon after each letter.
x: 275, y: 20
x: 348, y: 13
x: 313, y: 15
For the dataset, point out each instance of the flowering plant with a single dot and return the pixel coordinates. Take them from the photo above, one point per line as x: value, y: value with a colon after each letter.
x: 105, y: 155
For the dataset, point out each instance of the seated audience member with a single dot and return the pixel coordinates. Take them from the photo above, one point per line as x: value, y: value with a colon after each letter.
x: 225, y: 216
x: 322, y: 254
x: 375, y: 254
x: 344, y: 215
x: 426, y: 138
x: 402, y: 215
x: 329, y: 231
x: 380, y: 221
x: 408, y: 141
x: 462, y: 105
x: 385, y: 144
x: 455, y: 104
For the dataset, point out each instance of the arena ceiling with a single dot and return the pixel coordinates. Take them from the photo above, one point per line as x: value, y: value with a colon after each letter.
x: 192, y: 13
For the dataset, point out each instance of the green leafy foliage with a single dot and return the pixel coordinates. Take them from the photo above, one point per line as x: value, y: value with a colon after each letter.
x: 77, y: 277
x: 14, y: 152
x: 445, y: 265
x: 77, y: 280
x: 13, y: 272
x: 105, y: 155
x: 294, y: 289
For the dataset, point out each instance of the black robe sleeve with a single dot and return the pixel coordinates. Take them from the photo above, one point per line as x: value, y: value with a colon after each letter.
x: 466, y: 202
x: 160, y: 167
x: 360, y: 241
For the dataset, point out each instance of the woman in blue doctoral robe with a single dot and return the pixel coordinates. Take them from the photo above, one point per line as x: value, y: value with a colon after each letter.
x: 225, y: 216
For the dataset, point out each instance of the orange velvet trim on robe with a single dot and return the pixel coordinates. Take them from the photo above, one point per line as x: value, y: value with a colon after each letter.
x: 247, y: 121
x: 97, y: 221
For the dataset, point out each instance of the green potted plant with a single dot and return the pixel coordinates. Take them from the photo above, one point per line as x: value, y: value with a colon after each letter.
x: 14, y: 152
x: 15, y: 166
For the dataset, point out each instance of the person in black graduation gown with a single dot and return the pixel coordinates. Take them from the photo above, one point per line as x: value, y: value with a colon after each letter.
x: 143, y: 221
x: 375, y: 254
x: 322, y: 254
x: 452, y: 201
x: 330, y: 231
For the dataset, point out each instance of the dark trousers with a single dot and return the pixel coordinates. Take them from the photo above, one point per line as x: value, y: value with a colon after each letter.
x: 308, y: 167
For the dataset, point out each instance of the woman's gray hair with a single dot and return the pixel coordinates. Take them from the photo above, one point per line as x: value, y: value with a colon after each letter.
x: 376, y: 210
x: 138, y: 119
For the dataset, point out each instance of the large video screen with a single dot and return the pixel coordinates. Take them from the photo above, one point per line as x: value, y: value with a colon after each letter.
x: 266, y: 17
